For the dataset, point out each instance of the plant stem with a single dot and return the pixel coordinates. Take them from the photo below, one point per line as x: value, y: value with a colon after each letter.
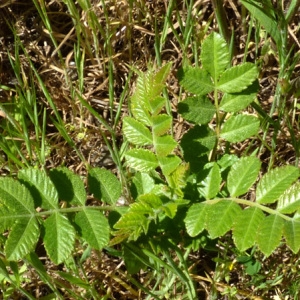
x: 253, y: 204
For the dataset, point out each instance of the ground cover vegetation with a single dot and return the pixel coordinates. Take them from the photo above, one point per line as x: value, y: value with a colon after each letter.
x: 149, y: 149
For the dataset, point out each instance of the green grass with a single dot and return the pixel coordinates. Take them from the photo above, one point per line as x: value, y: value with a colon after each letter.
x: 67, y: 71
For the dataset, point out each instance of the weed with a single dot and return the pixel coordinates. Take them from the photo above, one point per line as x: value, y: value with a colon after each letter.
x: 203, y: 193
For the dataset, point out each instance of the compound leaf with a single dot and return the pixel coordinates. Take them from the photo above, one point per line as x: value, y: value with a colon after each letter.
x: 227, y: 161
x: 142, y: 208
x: 269, y: 234
x: 139, y: 110
x: 246, y: 226
x: 235, y: 102
x: 157, y: 104
x: 59, y: 237
x: 164, y: 145
x: 169, y: 163
x: 170, y: 209
x: 142, y: 183
x: 289, y: 201
x: 104, y: 185
x: 274, y: 183
x: 242, y: 175
x: 22, y: 238
x: 136, y: 132
x: 41, y: 187
x: 178, y: 178
x: 140, y: 214
x: 197, y: 142
x: 237, y: 78
x: 69, y: 185
x: 215, y: 55
x: 132, y: 224
x: 161, y: 124
x: 195, y: 220
x: 7, y: 217
x: 292, y: 234
x: 16, y: 196
x: 221, y: 216
x: 159, y: 78
x: 142, y: 160
x: 195, y: 80
x: 239, y: 101
x: 147, y: 89
x: 93, y: 227
x: 147, y: 205
x: 146, y: 95
x: 198, y: 110
x: 240, y: 127
x: 210, y: 186
x: 163, y: 73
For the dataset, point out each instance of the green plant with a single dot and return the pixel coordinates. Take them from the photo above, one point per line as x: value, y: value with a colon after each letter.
x: 34, y: 189
x: 56, y: 225
x: 25, y: 120
x: 276, y: 22
x: 178, y: 192
x: 9, y: 283
x: 216, y: 180
x: 218, y: 209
